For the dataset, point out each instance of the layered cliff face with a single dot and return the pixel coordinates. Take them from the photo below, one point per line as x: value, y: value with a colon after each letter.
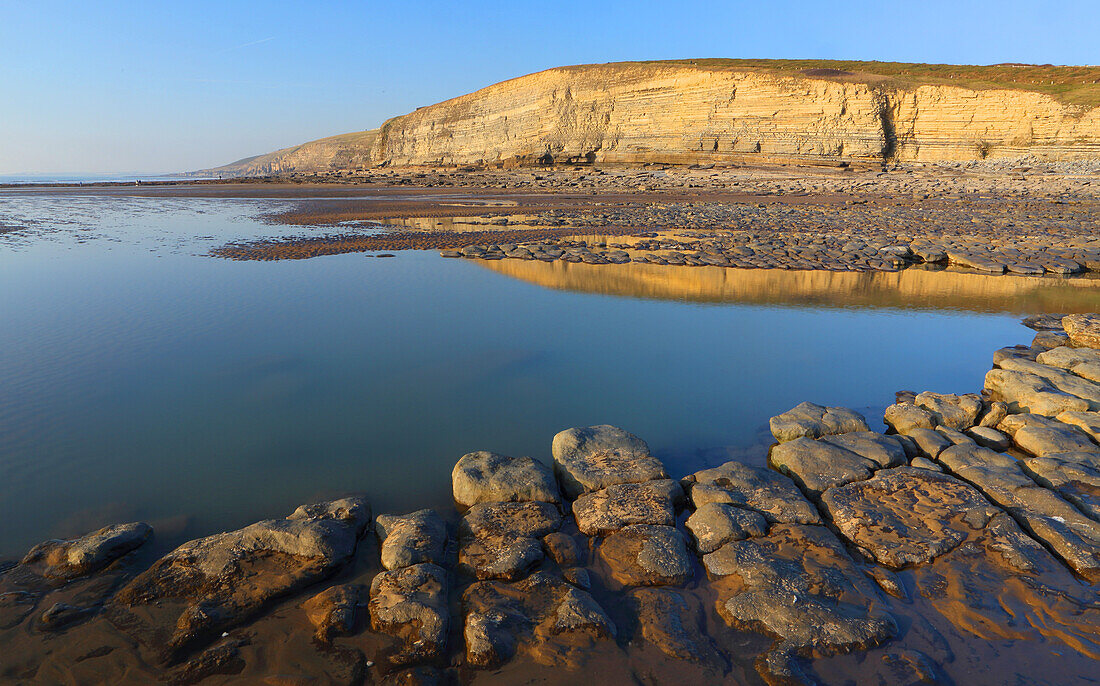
x: 674, y: 112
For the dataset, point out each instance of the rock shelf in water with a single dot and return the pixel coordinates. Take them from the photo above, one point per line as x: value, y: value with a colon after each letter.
x: 970, y: 528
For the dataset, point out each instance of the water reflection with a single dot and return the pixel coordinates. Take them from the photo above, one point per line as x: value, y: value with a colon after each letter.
x: 910, y: 288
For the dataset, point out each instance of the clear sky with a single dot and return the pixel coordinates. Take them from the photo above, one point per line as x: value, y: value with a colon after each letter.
x: 172, y: 86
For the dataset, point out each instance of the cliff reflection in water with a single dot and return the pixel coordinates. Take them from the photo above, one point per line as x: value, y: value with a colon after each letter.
x: 913, y: 288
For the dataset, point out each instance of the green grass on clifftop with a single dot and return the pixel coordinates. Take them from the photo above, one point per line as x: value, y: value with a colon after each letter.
x: 1073, y: 85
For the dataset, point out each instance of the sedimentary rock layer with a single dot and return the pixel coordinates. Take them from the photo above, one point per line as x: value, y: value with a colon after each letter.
x: 682, y: 112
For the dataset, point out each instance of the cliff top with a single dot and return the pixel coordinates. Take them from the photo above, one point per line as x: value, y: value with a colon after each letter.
x: 1075, y: 85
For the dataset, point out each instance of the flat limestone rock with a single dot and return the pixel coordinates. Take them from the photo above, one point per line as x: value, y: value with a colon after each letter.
x: 485, y: 477
x: 211, y: 584
x: 542, y: 616
x: 1089, y: 422
x: 647, y: 555
x: 1060, y: 379
x: 931, y: 443
x: 763, y: 490
x: 78, y: 557
x: 957, y: 412
x: 904, y: 417
x: 799, y: 585
x: 905, y: 516
x: 1084, y: 362
x: 715, y: 524
x: 1049, y: 518
x: 1025, y: 392
x: 1083, y: 329
x: 410, y: 539
x: 1044, y: 322
x: 988, y: 437
x: 595, y: 457
x: 1074, y: 478
x: 814, y: 421
x: 817, y: 465
x: 1052, y: 437
x: 502, y: 540
x: 995, y: 411
x: 612, y: 508
x: 673, y: 622
x: 410, y: 605
x: 333, y: 611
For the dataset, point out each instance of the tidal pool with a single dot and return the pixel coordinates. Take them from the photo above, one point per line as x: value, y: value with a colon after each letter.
x: 142, y: 379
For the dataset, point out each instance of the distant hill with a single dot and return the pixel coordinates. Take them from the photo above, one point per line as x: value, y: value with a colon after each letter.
x: 724, y: 109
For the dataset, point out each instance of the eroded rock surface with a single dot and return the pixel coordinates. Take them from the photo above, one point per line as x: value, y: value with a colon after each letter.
x: 210, y: 584
x: 799, y: 585
x: 715, y: 524
x: 68, y: 559
x: 410, y: 539
x: 612, y: 508
x: 502, y: 540
x: 1083, y: 329
x: 817, y: 465
x: 1025, y: 392
x: 542, y: 616
x: 410, y: 605
x: 673, y: 622
x: 595, y: 457
x: 1052, y: 520
x: 814, y: 421
x: 1084, y: 362
x: 957, y: 412
x: 647, y: 555
x: 764, y: 490
x: 486, y: 477
x: 905, y: 516
x: 333, y: 611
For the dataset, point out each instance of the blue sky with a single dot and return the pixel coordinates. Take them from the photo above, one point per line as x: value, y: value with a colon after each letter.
x: 152, y: 86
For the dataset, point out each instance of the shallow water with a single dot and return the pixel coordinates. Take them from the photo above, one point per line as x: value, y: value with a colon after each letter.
x: 141, y: 379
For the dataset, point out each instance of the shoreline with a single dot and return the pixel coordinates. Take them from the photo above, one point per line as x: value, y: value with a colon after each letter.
x: 804, y: 570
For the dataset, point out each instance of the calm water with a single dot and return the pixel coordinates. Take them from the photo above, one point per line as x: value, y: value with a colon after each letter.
x: 142, y: 379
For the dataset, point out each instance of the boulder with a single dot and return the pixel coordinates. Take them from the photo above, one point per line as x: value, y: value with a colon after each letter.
x: 333, y: 611
x: 410, y: 539
x: 502, y: 540
x: 1084, y: 362
x: 1060, y: 379
x: 410, y: 605
x: 211, y: 584
x: 68, y: 559
x: 953, y: 411
x: 485, y: 477
x: 612, y: 508
x: 955, y: 437
x: 647, y: 555
x: 715, y: 524
x: 1083, y: 329
x: 595, y: 457
x: 931, y: 443
x: 994, y: 412
x: 813, y: 421
x: 542, y: 616
x: 817, y: 465
x: 904, y: 417
x: 1024, y: 392
x: 905, y: 516
x: 1044, y: 322
x: 988, y: 437
x: 763, y: 490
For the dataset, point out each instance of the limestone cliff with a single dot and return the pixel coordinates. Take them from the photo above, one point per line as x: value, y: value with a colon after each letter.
x: 683, y: 112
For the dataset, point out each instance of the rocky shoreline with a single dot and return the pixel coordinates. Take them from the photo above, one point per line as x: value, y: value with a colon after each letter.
x: 960, y: 546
